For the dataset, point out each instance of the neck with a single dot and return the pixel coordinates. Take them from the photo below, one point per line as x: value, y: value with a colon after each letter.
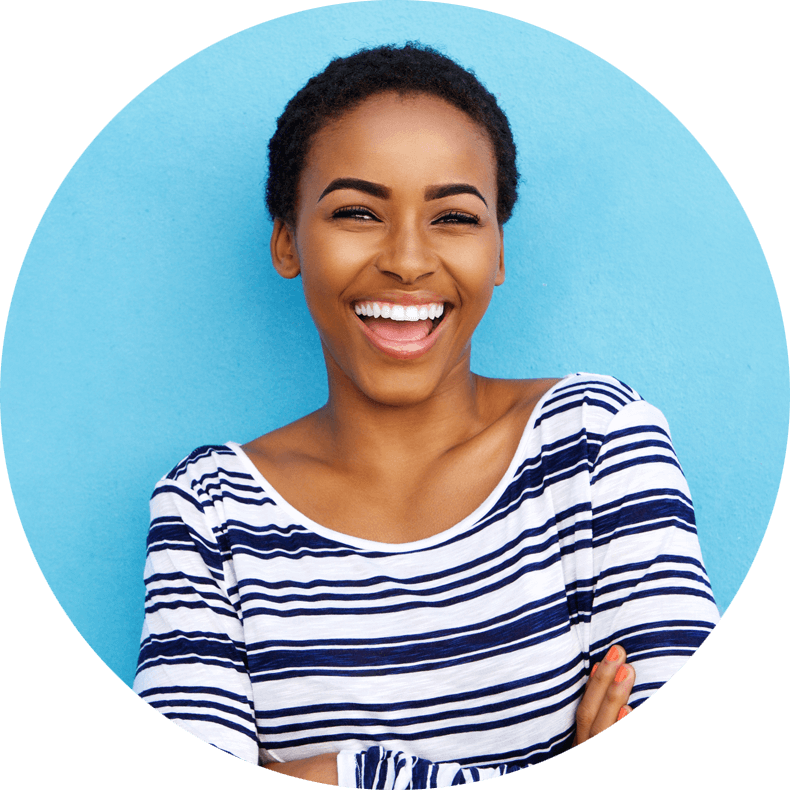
x: 376, y: 436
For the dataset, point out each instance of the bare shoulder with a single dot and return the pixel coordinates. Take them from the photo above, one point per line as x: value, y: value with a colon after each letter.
x: 530, y: 391
x: 297, y: 441
x: 517, y: 396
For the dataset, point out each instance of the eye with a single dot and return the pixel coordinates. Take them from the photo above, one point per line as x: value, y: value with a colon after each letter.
x: 358, y: 213
x: 457, y: 218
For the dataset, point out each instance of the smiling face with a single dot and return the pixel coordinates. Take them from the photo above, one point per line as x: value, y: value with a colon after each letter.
x: 398, y: 244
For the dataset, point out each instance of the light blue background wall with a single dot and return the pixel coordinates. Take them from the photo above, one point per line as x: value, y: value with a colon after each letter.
x: 147, y: 318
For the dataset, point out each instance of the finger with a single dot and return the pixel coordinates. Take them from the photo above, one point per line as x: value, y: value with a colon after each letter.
x: 597, y: 686
x: 576, y: 733
x: 624, y: 711
x: 615, y: 699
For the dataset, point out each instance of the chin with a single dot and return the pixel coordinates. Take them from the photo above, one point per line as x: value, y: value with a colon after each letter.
x: 397, y: 396
x: 395, y: 385
x: 398, y: 391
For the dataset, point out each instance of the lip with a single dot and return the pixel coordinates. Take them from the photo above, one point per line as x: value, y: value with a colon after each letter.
x: 411, y: 349
x: 405, y: 298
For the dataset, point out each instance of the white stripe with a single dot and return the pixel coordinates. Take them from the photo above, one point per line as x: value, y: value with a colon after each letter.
x: 401, y: 685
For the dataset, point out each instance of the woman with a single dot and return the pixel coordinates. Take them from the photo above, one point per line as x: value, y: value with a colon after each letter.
x: 436, y: 577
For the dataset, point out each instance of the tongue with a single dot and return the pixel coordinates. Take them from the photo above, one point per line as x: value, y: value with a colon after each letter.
x: 404, y: 331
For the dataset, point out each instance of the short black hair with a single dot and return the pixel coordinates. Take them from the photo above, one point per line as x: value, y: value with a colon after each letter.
x: 347, y: 82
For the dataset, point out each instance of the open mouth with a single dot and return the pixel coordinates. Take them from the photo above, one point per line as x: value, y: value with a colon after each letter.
x: 402, y: 331
x: 401, y: 323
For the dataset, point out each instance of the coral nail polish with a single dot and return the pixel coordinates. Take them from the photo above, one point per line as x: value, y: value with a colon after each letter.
x: 592, y: 671
x: 622, y: 714
x: 622, y: 674
x: 613, y: 653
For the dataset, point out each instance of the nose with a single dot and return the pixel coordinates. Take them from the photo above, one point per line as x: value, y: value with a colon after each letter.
x: 407, y: 256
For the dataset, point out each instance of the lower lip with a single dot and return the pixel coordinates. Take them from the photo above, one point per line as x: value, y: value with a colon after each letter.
x: 410, y: 349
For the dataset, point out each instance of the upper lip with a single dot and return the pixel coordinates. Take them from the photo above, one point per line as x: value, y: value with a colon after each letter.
x: 405, y: 298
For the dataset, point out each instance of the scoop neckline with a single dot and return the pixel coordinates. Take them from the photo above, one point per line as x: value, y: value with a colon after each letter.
x: 400, y: 548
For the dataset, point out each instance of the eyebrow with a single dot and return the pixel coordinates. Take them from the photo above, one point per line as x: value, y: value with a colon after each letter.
x: 377, y: 190
x: 380, y: 191
x: 447, y: 190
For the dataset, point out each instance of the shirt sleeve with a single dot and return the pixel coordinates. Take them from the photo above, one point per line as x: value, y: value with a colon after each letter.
x: 649, y: 589
x: 382, y: 768
x: 192, y: 665
x: 642, y: 585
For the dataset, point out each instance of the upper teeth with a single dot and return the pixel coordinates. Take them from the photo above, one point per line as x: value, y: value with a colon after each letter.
x: 399, y: 312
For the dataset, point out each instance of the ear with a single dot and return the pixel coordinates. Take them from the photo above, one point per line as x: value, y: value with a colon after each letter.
x: 285, y: 256
x: 500, y: 275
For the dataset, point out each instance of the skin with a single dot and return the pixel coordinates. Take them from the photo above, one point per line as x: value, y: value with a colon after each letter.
x: 422, y: 428
x: 397, y: 201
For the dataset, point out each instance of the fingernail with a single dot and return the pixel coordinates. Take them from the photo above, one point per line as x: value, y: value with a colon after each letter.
x: 622, y: 714
x: 622, y: 674
x: 613, y: 654
x: 592, y: 671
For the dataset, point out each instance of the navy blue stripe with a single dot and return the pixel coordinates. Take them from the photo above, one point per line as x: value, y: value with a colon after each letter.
x: 410, y: 721
x: 237, y: 666
x: 179, y: 492
x: 221, y: 472
x: 176, y: 646
x: 572, y: 391
x: 198, y: 454
x: 226, y: 486
x: 651, y: 593
x: 438, y: 732
x: 180, y: 576
x: 265, y: 500
x: 402, y: 590
x: 428, y: 636
x: 428, y: 702
x: 253, y: 611
x: 311, y: 691
x: 658, y: 626
x: 179, y: 705
x: 632, y: 448
x: 177, y: 690
x: 634, y: 462
x: 268, y: 674
x: 151, y: 609
x: 574, y: 404
x: 646, y: 496
x: 231, y: 725
x: 632, y: 567
x: 151, y: 595
x: 458, y: 647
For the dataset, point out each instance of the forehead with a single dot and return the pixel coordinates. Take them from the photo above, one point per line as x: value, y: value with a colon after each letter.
x: 390, y: 137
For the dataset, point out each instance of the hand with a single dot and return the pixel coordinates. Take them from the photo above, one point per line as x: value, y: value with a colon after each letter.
x: 606, y: 696
x: 321, y: 768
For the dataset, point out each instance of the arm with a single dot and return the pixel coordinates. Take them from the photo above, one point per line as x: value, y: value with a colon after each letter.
x: 383, y: 768
x: 649, y: 591
x: 322, y: 768
x: 192, y: 664
x: 603, y: 703
x: 642, y: 587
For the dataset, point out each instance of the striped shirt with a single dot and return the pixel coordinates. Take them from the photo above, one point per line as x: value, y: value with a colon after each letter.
x: 453, y: 658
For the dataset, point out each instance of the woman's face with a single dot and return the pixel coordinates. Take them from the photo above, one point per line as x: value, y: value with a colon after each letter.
x: 396, y: 219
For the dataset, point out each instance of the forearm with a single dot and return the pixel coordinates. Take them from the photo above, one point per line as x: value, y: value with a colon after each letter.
x: 322, y: 768
x: 383, y: 768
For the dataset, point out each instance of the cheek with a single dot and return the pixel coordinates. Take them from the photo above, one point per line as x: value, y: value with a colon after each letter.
x: 331, y: 264
x: 324, y: 283
x: 475, y: 269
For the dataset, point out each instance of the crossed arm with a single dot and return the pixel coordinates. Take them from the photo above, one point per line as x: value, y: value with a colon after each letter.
x: 604, y: 702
